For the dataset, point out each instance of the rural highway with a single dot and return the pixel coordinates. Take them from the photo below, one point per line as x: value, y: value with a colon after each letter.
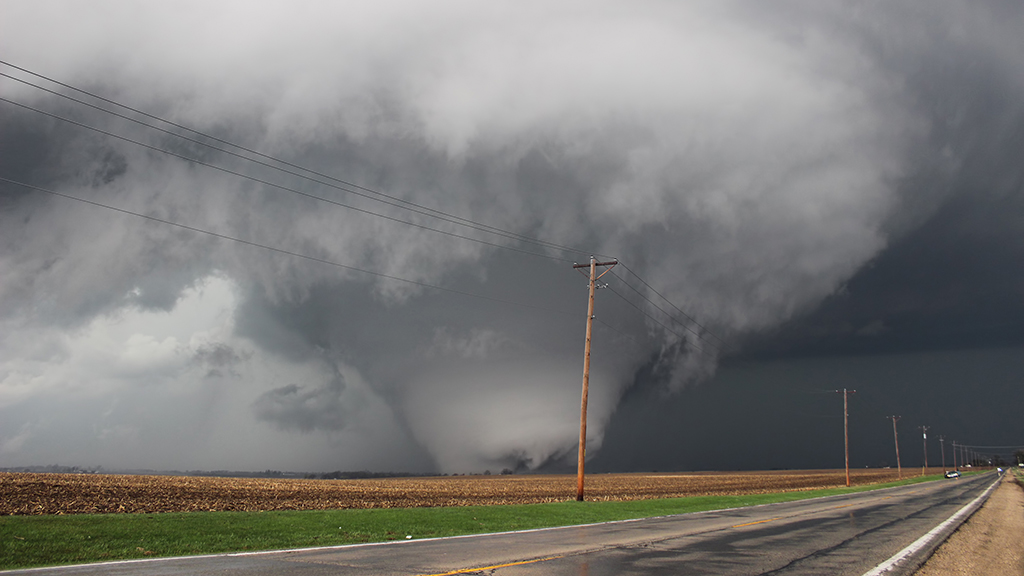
x: 849, y: 534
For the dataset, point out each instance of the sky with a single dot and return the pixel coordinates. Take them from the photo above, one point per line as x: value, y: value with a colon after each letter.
x: 802, y: 197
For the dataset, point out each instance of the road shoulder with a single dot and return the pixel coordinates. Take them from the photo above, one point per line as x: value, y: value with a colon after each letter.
x: 988, y: 542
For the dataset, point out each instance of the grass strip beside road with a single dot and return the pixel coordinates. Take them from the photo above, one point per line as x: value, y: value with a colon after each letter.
x: 29, y: 541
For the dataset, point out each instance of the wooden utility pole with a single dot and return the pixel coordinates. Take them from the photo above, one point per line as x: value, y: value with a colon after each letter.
x: 924, y: 440
x: 846, y: 430
x: 586, y: 367
x: 899, y: 469
x: 955, y: 467
x: 942, y: 448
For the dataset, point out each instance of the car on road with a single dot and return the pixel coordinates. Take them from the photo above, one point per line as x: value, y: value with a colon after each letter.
x: 952, y: 474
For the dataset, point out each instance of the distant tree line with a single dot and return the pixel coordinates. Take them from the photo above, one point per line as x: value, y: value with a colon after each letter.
x: 54, y: 469
x: 336, y: 475
x: 362, y: 474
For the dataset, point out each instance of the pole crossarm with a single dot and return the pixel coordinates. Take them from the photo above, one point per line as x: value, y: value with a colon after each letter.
x: 610, y: 265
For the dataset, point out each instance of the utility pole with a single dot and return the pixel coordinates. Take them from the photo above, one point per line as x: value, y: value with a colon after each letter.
x: 942, y: 448
x: 955, y: 467
x: 899, y: 469
x: 924, y: 440
x: 846, y: 430
x: 586, y: 367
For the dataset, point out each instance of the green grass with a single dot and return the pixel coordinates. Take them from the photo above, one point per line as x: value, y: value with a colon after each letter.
x: 27, y: 541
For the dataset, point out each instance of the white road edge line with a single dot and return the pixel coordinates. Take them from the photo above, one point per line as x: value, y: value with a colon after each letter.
x: 931, y: 535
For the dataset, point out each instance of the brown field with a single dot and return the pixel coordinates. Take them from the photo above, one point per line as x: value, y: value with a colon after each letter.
x: 22, y: 493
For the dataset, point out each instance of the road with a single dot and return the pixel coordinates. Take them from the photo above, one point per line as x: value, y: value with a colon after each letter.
x: 849, y: 534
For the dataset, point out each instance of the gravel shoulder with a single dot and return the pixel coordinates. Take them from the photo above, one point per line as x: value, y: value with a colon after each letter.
x: 990, y: 542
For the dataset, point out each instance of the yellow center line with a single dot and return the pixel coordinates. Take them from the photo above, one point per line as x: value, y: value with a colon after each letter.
x: 468, y: 570
x: 758, y: 522
x: 843, y: 506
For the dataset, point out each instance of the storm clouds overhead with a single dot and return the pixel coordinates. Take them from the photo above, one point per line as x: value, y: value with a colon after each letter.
x: 825, y: 189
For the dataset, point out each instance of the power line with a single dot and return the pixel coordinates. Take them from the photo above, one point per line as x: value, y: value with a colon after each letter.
x: 423, y: 211
x: 284, y: 251
x: 651, y: 288
x: 312, y: 258
x: 645, y: 313
x: 278, y: 186
x: 344, y: 186
x: 391, y: 200
x: 659, y: 322
x: 384, y: 216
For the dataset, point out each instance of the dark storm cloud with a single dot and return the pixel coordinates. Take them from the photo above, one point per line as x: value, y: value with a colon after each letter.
x: 951, y: 284
x: 948, y: 281
x: 930, y: 329
x: 747, y: 161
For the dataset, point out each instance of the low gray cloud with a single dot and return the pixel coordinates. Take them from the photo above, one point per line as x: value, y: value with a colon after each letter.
x: 295, y: 407
x: 218, y: 358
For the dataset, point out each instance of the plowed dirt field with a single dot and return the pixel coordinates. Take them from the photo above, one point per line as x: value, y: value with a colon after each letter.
x: 98, y: 493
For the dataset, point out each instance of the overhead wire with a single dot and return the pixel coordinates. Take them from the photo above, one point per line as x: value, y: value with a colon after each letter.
x: 663, y: 297
x: 283, y: 250
x: 275, y: 185
x: 391, y: 200
x: 686, y: 327
x: 659, y: 322
x: 342, y: 205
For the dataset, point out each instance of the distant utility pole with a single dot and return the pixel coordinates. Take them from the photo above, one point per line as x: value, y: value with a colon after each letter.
x: 846, y: 429
x: 955, y: 467
x: 586, y: 367
x: 924, y: 439
x: 942, y: 448
x: 899, y: 469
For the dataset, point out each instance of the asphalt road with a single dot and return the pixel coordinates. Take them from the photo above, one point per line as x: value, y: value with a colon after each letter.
x: 848, y: 534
